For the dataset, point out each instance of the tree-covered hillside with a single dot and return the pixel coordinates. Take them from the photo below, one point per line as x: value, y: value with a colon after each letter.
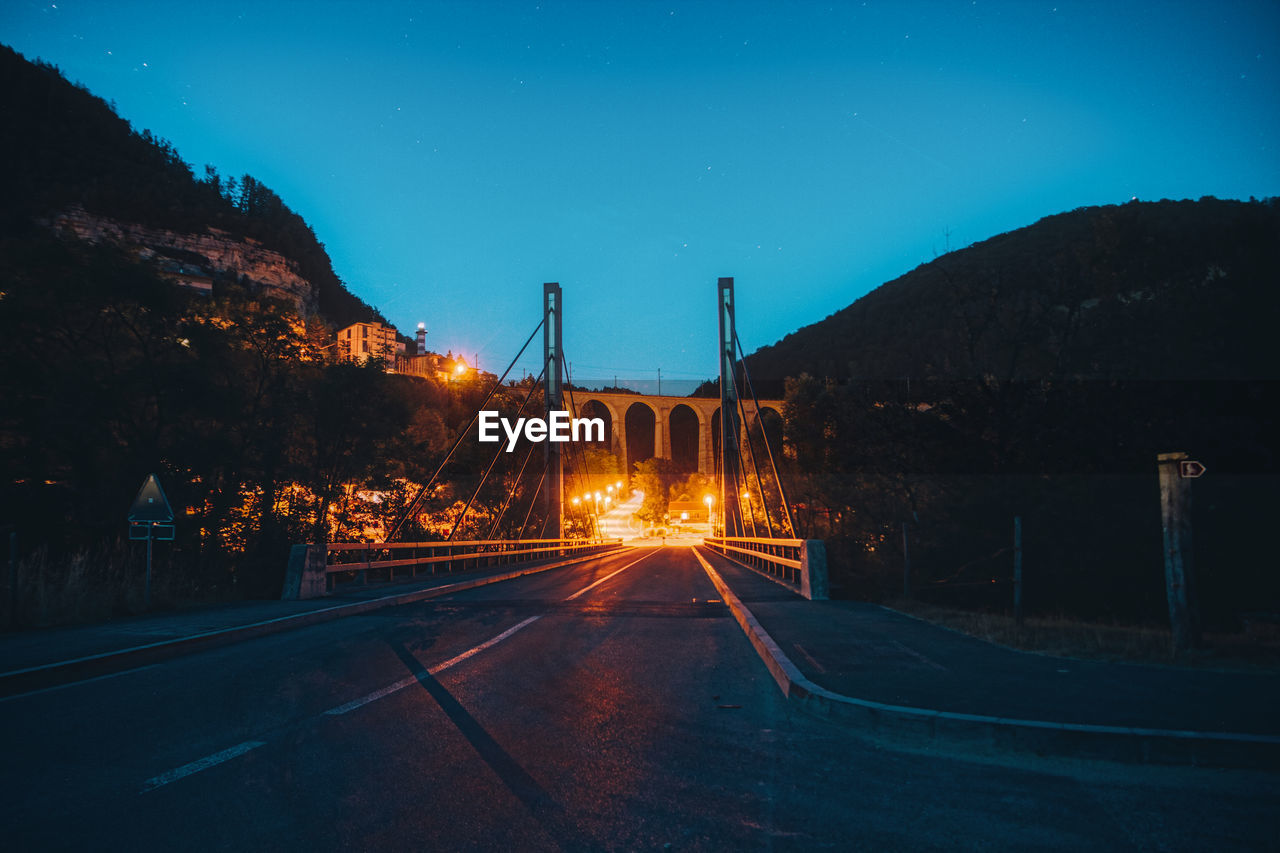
x: 1161, y: 290
x: 1039, y: 374
x: 61, y: 146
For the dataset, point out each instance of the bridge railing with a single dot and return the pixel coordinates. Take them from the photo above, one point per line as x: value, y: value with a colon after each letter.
x: 800, y: 564
x: 315, y: 569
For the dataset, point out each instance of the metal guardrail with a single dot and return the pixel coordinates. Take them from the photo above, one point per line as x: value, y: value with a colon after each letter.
x: 800, y: 564
x: 363, y: 558
x: 313, y: 570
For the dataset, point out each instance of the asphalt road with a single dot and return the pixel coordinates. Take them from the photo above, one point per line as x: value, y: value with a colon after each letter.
x: 609, y: 705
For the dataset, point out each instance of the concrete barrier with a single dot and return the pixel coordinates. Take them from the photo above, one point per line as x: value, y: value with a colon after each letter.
x: 977, y: 731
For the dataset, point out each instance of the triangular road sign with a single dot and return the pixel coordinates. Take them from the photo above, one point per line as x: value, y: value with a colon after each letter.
x: 151, y: 504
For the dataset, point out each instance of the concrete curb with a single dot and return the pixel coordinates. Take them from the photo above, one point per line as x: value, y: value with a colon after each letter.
x: 1074, y: 740
x: 21, y: 681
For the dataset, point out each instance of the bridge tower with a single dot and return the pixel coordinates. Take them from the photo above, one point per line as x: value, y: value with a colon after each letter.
x: 730, y: 476
x: 552, y: 356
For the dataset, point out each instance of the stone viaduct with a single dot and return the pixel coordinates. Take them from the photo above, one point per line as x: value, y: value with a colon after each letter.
x: 685, y: 430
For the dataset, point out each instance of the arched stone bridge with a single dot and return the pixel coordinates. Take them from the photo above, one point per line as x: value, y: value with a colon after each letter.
x: 685, y: 430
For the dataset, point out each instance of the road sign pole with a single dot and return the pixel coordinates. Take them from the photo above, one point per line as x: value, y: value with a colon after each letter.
x: 150, y: 508
x: 1175, y: 509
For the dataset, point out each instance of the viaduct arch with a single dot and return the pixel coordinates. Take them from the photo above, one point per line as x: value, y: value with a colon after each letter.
x: 682, y: 427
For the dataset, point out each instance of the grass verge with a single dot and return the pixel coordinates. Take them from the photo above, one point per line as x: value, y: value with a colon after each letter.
x: 1096, y: 641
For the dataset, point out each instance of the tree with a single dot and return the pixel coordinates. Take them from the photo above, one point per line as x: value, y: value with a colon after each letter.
x: 654, y: 477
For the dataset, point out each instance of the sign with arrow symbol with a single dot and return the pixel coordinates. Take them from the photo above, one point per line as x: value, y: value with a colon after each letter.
x: 1190, y: 469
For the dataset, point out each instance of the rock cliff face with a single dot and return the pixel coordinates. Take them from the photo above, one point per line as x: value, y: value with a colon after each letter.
x: 217, y: 254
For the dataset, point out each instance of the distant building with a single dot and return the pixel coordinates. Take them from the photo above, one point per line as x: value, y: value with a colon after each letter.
x: 363, y: 341
x: 688, y: 511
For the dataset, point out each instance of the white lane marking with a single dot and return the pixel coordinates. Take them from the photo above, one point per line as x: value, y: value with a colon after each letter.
x: 606, y: 577
x: 240, y: 749
x: 438, y: 668
x: 43, y: 690
x: 203, y: 764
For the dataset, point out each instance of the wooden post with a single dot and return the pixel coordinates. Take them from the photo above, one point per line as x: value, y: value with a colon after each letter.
x: 1175, y: 508
x: 1017, y: 569
x: 906, y: 564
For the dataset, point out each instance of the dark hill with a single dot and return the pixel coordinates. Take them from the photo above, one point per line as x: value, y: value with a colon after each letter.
x: 1158, y: 290
x: 62, y: 147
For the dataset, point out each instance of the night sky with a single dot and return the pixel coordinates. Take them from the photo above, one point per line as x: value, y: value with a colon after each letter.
x: 453, y: 156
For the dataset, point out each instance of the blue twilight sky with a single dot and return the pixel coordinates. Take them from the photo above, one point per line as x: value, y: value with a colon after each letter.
x: 452, y: 156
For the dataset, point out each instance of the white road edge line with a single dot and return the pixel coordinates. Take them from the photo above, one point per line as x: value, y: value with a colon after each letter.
x: 203, y: 764
x: 438, y: 668
x: 240, y: 749
x: 606, y: 577
x: 441, y: 667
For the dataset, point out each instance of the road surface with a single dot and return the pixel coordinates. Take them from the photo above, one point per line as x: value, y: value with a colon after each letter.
x: 614, y: 704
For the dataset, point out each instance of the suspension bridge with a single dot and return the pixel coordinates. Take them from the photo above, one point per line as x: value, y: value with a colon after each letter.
x: 539, y: 514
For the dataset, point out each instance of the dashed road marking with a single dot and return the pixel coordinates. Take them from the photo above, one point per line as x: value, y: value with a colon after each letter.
x: 241, y: 748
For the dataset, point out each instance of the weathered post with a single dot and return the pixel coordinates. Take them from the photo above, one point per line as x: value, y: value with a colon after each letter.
x: 813, y: 570
x: 1175, y: 508
x: 730, y: 509
x: 1017, y: 570
x: 552, y: 353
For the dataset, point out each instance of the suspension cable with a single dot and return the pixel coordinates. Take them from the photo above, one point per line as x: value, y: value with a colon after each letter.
x: 737, y: 450
x: 583, y: 476
x: 511, y: 494
x: 752, y: 451
x: 413, y: 505
x: 497, y: 454
x: 782, y: 492
x: 533, y: 502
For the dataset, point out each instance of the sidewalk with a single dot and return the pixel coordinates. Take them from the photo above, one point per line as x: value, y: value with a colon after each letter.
x: 875, y: 656
x: 43, y: 657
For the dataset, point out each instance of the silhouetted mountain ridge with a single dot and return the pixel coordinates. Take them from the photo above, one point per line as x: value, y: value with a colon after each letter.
x: 1144, y: 290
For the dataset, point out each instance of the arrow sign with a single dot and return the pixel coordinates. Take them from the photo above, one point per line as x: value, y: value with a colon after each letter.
x: 151, y: 505
x: 1190, y: 469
